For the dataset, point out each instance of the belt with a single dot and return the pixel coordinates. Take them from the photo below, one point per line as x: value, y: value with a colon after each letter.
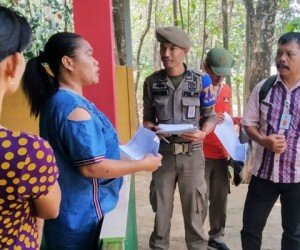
x: 181, y: 148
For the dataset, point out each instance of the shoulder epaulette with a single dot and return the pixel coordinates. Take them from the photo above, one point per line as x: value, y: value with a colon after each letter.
x: 158, y: 75
x: 199, y: 73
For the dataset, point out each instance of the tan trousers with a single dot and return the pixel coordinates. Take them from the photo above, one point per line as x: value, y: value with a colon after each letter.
x: 188, y: 171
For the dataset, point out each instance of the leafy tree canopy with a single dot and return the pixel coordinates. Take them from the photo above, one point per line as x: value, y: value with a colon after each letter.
x: 46, y: 17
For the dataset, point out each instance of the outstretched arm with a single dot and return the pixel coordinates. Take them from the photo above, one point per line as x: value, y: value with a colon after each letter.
x: 116, y: 168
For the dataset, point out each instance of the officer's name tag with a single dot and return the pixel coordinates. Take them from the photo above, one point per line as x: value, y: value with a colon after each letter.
x: 285, y: 121
x: 191, y: 112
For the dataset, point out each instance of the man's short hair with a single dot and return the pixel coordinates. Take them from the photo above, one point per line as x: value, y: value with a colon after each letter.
x: 289, y: 37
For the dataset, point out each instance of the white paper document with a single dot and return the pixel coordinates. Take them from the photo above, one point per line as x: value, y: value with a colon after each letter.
x: 175, y: 129
x: 228, y: 137
x: 142, y: 143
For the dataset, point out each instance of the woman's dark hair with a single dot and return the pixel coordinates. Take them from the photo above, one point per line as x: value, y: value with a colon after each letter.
x: 15, y: 32
x: 38, y: 85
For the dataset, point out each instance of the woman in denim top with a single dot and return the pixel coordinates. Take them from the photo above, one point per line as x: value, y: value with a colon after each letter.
x: 84, y: 141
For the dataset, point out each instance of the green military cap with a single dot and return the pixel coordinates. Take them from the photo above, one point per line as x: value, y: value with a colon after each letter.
x: 220, y: 61
x: 173, y: 35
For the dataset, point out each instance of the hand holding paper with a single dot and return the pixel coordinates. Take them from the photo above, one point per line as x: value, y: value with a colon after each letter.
x: 196, y: 136
x: 143, y: 142
x: 228, y: 137
x: 220, y: 118
x: 151, y: 162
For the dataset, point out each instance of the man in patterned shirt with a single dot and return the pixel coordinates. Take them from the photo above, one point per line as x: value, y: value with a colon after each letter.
x: 274, y: 124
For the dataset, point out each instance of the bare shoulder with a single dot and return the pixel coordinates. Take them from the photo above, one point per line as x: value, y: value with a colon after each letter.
x: 79, y: 114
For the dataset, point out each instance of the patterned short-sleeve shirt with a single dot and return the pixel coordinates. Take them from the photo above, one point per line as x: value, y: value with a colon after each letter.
x: 27, y: 171
x: 266, y: 116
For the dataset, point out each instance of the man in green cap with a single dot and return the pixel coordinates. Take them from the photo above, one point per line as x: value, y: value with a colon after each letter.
x: 217, y: 64
x: 171, y: 96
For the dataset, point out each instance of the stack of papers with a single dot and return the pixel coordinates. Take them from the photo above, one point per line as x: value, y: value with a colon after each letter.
x: 175, y: 129
x: 229, y: 139
x: 143, y: 142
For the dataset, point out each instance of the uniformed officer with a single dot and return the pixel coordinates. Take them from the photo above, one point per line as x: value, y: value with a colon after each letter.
x: 171, y: 96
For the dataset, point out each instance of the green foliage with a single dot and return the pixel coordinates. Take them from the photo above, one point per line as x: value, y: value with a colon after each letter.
x: 238, y: 79
x: 287, y: 17
x: 50, y: 16
x: 195, y: 11
x: 293, y: 25
x: 46, y: 17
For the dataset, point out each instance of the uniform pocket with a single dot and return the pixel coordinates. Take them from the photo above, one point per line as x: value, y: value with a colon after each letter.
x: 160, y: 104
x: 190, y: 108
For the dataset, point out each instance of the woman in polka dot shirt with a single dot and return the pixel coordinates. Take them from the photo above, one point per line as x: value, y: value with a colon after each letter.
x: 29, y: 189
x: 84, y: 141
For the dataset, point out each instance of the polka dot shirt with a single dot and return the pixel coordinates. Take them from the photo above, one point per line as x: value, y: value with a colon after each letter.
x: 27, y: 171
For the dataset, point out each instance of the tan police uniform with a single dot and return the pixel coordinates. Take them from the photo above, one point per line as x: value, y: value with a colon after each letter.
x: 182, y: 162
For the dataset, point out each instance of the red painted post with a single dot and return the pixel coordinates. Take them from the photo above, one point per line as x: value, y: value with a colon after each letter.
x: 94, y: 21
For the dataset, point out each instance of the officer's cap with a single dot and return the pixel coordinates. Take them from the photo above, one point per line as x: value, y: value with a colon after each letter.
x: 220, y: 61
x: 173, y: 35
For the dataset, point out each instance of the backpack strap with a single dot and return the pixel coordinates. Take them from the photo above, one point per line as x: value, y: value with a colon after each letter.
x: 263, y: 92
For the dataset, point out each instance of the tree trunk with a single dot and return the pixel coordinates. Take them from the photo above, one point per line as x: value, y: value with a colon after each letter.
x: 65, y: 17
x: 265, y: 13
x: 119, y: 32
x: 181, y: 14
x: 188, y: 17
x: 250, y: 36
x: 204, y: 31
x: 150, y: 4
x: 260, y: 27
x: 175, y: 15
x: 225, y: 25
x: 156, y: 55
x: 238, y: 84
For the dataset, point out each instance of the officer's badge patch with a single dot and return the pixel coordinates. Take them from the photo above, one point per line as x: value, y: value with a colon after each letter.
x: 192, y: 86
x: 160, y: 88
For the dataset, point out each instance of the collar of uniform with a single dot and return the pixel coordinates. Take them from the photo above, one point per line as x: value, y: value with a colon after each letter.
x: 188, y: 76
x: 165, y: 75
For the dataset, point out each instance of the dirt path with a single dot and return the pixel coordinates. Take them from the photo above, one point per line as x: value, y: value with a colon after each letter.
x: 271, y: 236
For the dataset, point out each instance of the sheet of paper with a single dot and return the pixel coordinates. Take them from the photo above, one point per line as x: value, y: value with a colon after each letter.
x: 229, y: 139
x: 175, y: 129
x: 142, y: 143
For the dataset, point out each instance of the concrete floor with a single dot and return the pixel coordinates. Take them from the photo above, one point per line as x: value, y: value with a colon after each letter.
x: 145, y: 217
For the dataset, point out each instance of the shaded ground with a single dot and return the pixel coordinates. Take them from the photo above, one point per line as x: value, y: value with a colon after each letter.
x: 271, y: 236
